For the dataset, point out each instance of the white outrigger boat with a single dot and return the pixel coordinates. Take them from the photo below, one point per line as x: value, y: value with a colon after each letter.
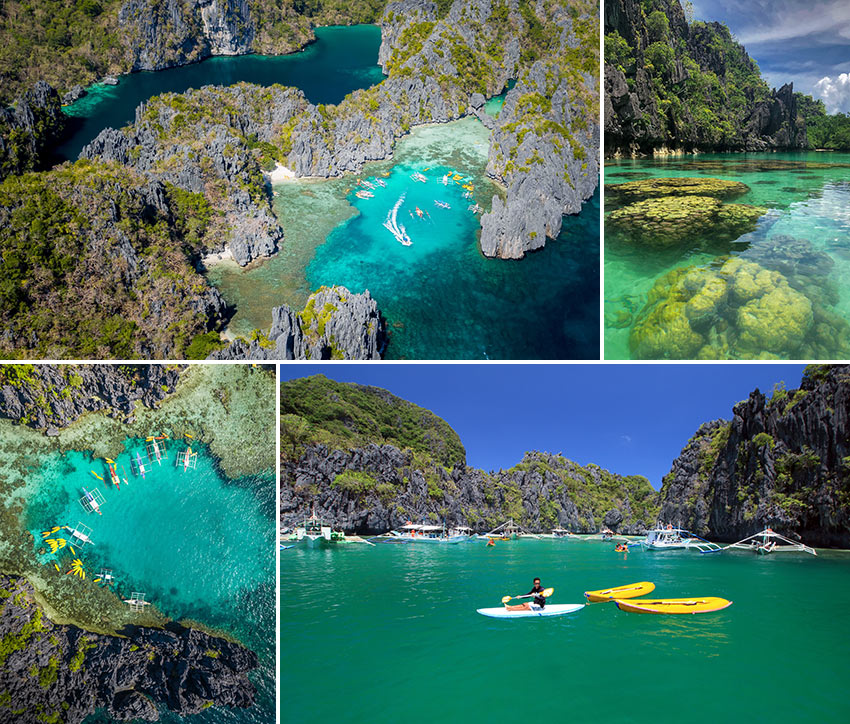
x: 424, y: 533
x: 561, y: 533
x: 766, y: 542
x: 667, y: 538
x: 506, y: 531
x: 313, y: 533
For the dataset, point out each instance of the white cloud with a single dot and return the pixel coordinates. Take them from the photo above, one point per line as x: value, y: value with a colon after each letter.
x: 626, y: 439
x: 835, y: 92
x: 794, y: 20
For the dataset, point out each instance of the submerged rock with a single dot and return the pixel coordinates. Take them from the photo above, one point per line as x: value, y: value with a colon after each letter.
x: 63, y: 673
x: 335, y: 324
x: 676, y: 220
x: 736, y: 310
x: 639, y: 190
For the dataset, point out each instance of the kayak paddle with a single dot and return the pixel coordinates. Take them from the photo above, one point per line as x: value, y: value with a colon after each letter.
x: 546, y: 592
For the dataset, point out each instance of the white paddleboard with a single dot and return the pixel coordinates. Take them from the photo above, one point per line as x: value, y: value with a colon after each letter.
x: 555, y: 609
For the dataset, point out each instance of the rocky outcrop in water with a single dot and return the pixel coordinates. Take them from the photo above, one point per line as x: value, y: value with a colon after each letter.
x: 335, y: 324
x: 51, y: 672
x: 198, y: 141
x: 48, y: 397
x: 781, y: 462
x: 29, y: 129
x: 544, y: 147
x: 671, y: 85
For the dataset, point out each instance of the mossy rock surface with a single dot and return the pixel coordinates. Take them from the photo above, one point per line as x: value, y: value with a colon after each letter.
x: 677, y: 220
x: 653, y: 188
x: 738, y: 310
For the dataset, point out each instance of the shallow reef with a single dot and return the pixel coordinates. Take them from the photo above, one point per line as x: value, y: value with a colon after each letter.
x: 736, y: 309
x: 632, y: 191
x: 676, y: 220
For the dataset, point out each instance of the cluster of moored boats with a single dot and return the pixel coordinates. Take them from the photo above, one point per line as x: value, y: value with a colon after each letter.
x: 314, y: 533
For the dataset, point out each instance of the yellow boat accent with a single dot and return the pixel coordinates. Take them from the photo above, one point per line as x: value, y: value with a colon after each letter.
x: 111, y: 462
x: 631, y: 590
x: 457, y: 177
x: 72, y: 550
x: 56, y: 566
x: 674, y: 605
x: 96, y: 475
x: 95, y: 580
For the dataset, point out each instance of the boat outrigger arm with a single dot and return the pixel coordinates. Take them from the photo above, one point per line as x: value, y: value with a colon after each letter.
x: 767, y: 541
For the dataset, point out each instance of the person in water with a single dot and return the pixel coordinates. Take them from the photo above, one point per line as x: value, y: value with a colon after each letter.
x: 537, y: 603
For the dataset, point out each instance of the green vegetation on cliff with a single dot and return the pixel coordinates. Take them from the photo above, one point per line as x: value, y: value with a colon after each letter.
x: 346, y: 416
x: 90, y: 268
x: 831, y: 132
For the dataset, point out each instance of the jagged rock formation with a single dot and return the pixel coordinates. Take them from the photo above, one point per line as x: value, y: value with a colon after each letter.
x: 198, y: 141
x: 28, y: 130
x: 675, y: 86
x: 335, y: 324
x: 48, y: 397
x: 97, y: 263
x: 50, y: 672
x: 392, y: 461
x: 782, y: 462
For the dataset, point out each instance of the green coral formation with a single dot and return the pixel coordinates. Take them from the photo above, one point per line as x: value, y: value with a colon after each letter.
x: 59, y: 298
x: 345, y: 416
x: 676, y: 220
x: 632, y: 191
x: 732, y: 310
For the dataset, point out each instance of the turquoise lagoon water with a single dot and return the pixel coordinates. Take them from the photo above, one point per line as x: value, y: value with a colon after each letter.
x: 443, y: 299
x: 808, y: 195
x: 200, y: 546
x: 341, y: 60
x: 399, y: 625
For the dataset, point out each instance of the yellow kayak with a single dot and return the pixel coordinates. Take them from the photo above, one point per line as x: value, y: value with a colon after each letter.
x: 630, y: 591
x: 674, y: 605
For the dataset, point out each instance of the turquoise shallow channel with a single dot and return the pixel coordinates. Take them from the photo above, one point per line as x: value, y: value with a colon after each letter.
x: 199, y: 545
x: 397, y: 628
x: 808, y: 197
x: 341, y: 60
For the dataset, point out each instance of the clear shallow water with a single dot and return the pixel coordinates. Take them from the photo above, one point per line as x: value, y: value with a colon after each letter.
x: 400, y: 625
x: 341, y: 60
x: 806, y: 201
x: 442, y: 298
x: 200, y: 546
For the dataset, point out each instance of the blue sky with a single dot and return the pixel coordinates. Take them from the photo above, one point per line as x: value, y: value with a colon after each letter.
x: 804, y: 41
x: 628, y: 418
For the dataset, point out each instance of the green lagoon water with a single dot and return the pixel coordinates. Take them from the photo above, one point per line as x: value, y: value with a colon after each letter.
x: 443, y: 299
x: 341, y: 60
x: 199, y: 545
x: 390, y: 633
x: 808, y: 195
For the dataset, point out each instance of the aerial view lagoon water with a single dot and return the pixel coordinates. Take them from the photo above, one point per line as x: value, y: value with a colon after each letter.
x: 397, y: 616
x: 171, y: 509
x: 754, y: 268
x: 341, y: 60
x: 443, y: 299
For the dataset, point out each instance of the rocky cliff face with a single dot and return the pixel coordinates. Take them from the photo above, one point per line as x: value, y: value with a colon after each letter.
x: 673, y: 85
x: 29, y: 129
x: 374, y: 489
x: 164, y: 33
x: 50, y: 672
x: 335, y: 324
x: 48, y: 397
x: 782, y: 462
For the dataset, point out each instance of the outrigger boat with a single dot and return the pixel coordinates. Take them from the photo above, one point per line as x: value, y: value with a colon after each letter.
x: 665, y: 538
x: 364, y: 194
x: 560, y: 533
x: 416, y: 176
x: 367, y: 184
x: 381, y: 182
x: 442, y: 204
x: 506, y: 531
x: 766, y: 542
x: 424, y: 533
x: 315, y: 534
x: 155, y: 452
x: 113, y: 473
x: 91, y: 501
x: 140, y: 466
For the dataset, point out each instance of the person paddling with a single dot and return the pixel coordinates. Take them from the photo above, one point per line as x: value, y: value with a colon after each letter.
x: 538, y: 602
